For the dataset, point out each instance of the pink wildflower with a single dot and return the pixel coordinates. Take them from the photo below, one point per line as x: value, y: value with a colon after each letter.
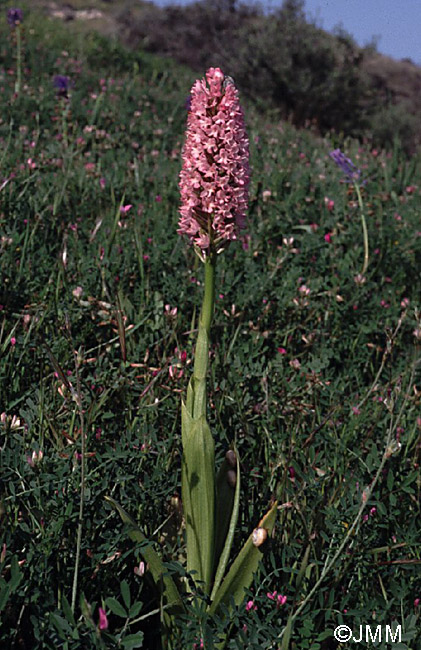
x: 329, y: 203
x: 214, y: 179
x: 278, y: 598
x: 250, y: 605
x: 35, y: 458
x: 140, y: 570
x: 103, y: 620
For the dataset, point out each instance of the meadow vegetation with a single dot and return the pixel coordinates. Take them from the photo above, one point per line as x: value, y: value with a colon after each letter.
x: 314, y: 364
x: 282, y: 59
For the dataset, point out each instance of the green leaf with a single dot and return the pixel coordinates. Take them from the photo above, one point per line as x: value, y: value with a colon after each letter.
x: 125, y: 592
x: 16, y: 573
x: 245, y: 565
x: 198, y: 496
x: 156, y: 567
x: 287, y: 634
x: 5, y: 592
x: 135, y: 609
x: 67, y: 611
x: 324, y: 635
x: 85, y: 607
x: 303, y: 568
x: 116, y: 607
x: 227, y: 508
x: 6, y: 588
x: 63, y: 628
x: 133, y: 641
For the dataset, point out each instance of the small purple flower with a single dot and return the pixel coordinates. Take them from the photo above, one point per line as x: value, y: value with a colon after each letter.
x: 62, y: 84
x: 350, y: 170
x: 14, y: 17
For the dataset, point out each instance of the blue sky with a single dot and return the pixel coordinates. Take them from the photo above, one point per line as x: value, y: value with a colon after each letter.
x: 395, y: 23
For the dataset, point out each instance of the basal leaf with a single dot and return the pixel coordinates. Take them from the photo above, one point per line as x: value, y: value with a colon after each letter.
x: 198, y: 496
x: 242, y: 570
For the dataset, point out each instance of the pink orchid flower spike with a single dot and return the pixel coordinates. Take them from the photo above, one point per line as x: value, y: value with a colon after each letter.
x: 215, y: 176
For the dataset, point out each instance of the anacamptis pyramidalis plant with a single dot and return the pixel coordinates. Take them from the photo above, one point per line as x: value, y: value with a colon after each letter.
x: 214, y: 194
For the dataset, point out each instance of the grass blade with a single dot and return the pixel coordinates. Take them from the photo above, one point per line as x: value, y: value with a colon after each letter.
x: 156, y: 566
x: 228, y: 505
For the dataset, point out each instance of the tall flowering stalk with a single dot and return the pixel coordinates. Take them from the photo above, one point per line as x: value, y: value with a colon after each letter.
x: 15, y: 19
x: 63, y: 86
x: 353, y: 175
x: 214, y: 193
x: 214, y: 184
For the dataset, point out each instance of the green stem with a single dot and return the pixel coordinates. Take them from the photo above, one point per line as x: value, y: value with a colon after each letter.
x: 198, y: 466
x: 209, y: 296
x: 201, y: 359
x: 18, y: 61
x: 82, y: 484
x: 64, y: 114
x: 364, y: 225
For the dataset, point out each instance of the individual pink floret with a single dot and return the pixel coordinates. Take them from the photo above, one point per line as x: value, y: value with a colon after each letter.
x: 215, y: 176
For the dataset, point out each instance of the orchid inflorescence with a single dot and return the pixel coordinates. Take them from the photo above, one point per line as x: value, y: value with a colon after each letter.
x: 214, y: 179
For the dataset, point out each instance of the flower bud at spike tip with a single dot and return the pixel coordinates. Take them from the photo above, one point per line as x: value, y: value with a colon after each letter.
x: 231, y: 458
x: 259, y: 536
x: 14, y: 17
x: 214, y: 179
